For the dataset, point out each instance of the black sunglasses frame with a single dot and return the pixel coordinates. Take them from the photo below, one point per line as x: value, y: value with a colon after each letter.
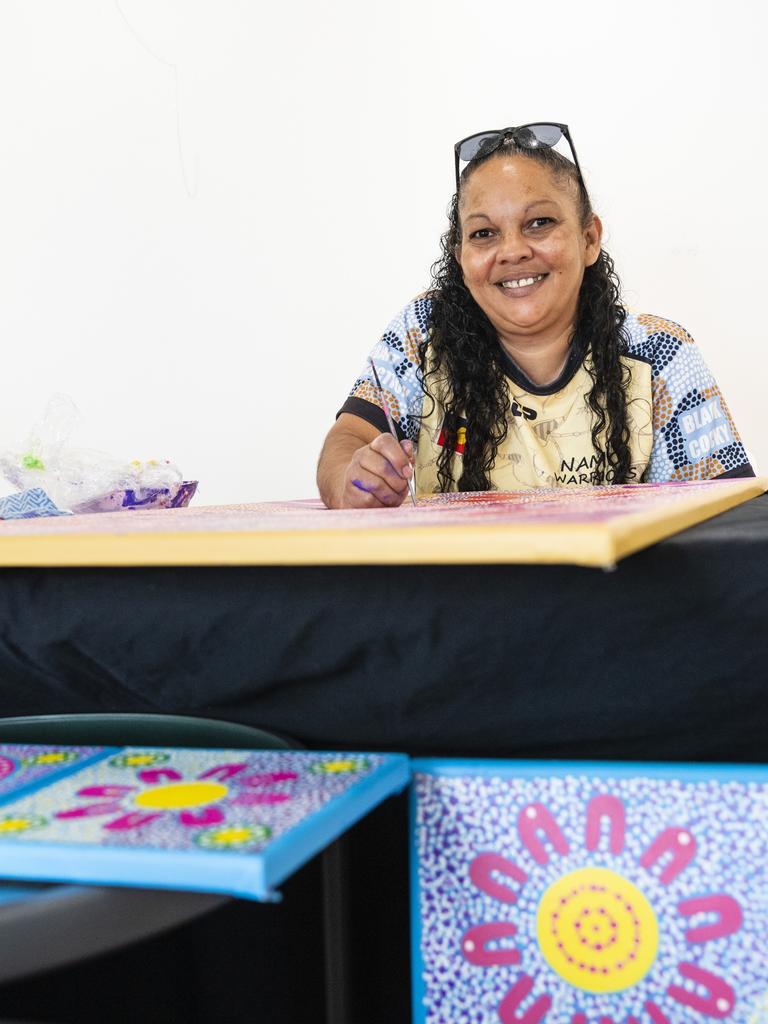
x: 504, y: 133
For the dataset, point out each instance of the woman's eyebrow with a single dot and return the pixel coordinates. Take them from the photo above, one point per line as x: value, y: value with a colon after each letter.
x: 527, y: 209
x: 541, y: 202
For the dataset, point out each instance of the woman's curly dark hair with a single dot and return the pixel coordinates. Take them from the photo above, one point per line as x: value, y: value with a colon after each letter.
x: 466, y: 356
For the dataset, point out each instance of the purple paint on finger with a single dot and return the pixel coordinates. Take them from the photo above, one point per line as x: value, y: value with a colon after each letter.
x: 361, y: 486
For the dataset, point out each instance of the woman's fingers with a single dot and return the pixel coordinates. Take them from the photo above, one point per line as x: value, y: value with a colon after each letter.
x: 395, y: 453
x: 373, y: 484
x: 377, y: 474
x: 371, y: 494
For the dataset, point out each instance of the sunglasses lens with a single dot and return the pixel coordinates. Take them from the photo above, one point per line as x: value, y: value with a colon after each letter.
x: 471, y: 147
x: 539, y: 135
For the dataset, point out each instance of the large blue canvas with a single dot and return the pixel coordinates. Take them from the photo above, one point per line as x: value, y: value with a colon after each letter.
x: 589, y: 893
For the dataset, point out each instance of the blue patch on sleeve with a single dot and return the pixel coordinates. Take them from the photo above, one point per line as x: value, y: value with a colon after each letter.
x: 705, y: 429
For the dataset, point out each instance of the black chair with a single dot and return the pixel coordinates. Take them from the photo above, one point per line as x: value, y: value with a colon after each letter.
x: 46, y: 926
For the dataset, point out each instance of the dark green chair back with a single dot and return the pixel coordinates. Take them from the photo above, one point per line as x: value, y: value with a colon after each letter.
x: 129, y: 729
x: 49, y: 926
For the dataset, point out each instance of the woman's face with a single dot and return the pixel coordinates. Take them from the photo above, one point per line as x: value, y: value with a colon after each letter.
x: 524, y: 249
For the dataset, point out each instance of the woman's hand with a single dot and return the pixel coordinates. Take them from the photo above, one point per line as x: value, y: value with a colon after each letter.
x: 360, y: 467
x: 378, y: 473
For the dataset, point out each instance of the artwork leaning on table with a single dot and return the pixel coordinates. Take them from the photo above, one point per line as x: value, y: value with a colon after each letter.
x: 589, y: 894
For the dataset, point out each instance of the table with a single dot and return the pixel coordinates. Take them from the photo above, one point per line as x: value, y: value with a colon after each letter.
x: 662, y: 659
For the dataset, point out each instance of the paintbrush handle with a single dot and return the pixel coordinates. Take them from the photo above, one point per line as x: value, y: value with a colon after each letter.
x: 391, y: 423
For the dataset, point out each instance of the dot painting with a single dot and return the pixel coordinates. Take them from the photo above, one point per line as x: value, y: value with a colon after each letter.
x: 238, y: 821
x: 185, y: 799
x: 589, y: 898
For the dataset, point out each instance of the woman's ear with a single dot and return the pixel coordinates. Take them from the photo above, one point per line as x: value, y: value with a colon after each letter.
x: 593, y: 237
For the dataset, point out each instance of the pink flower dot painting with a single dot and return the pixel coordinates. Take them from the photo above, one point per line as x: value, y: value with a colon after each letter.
x: 589, y: 894
x: 225, y: 801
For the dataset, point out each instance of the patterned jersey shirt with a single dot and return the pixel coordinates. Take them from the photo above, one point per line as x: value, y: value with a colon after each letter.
x: 680, y: 427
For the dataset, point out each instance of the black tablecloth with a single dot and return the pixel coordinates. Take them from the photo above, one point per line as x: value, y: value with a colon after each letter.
x: 663, y: 659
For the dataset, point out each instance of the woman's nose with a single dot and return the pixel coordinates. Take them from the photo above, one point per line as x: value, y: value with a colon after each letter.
x: 513, y: 247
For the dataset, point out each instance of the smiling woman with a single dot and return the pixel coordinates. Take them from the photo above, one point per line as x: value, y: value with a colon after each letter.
x: 520, y: 367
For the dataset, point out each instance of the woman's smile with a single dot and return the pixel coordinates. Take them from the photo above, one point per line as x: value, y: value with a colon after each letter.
x: 520, y: 287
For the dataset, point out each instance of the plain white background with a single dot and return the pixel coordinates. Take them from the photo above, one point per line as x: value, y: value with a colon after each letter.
x: 210, y: 209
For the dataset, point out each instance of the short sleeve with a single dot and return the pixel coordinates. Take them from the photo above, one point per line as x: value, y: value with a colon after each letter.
x: 396, y: 356
x: 694, y: 436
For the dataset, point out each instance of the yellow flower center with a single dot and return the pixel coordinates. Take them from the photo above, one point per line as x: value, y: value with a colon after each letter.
x: 137, y: 760
x: 597, y: 930
x: 178, y: 795
x: 231, y: 835
x: 333, y: 767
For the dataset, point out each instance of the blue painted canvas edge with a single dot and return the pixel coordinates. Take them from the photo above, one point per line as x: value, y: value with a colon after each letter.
x: 232, y: 874
x: 301, y: 843
x: 27, y: 788
x: 719, y: 771
x: 418, y: 987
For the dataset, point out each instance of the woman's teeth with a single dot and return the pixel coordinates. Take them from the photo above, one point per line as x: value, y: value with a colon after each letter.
x: 522, y: 282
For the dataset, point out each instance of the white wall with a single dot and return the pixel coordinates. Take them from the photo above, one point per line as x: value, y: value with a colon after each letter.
x: 209, y: 210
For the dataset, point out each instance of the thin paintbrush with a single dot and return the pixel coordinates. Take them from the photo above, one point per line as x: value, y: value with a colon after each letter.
x: 391, y: 422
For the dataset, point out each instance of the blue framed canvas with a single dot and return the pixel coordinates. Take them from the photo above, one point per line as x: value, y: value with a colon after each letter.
x: 586, y: 893
x: 230, y: 821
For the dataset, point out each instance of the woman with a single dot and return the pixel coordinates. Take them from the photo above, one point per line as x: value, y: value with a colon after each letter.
x: 520, y: 367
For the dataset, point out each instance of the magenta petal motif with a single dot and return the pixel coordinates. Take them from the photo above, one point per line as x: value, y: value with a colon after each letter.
x: 91, y: 810
x: 105, y: 791
x: 205, y: 816
x: 153, y: 776
x: 222, y: 772
x: 475, y: 946
x: 510, y: 1004
x: 134, y: 819
x: 489, y: 871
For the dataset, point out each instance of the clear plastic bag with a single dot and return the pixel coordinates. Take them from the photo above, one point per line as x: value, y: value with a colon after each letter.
x: 82, y: 479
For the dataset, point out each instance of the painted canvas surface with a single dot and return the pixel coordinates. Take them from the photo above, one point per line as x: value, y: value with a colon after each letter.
x: 116, y: 818
x: 589, y: 894
x: 23, y: 766
x: 541, y: 505
x: 185, y: 799
x: 578, y: 525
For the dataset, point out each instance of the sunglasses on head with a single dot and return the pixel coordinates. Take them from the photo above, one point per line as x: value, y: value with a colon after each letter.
x: 541, y: 135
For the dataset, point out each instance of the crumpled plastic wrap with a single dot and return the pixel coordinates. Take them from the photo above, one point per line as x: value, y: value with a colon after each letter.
x: 83, y: 479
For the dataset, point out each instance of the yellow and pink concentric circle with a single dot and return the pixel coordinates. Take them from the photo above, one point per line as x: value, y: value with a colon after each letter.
x: 597, y: 930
